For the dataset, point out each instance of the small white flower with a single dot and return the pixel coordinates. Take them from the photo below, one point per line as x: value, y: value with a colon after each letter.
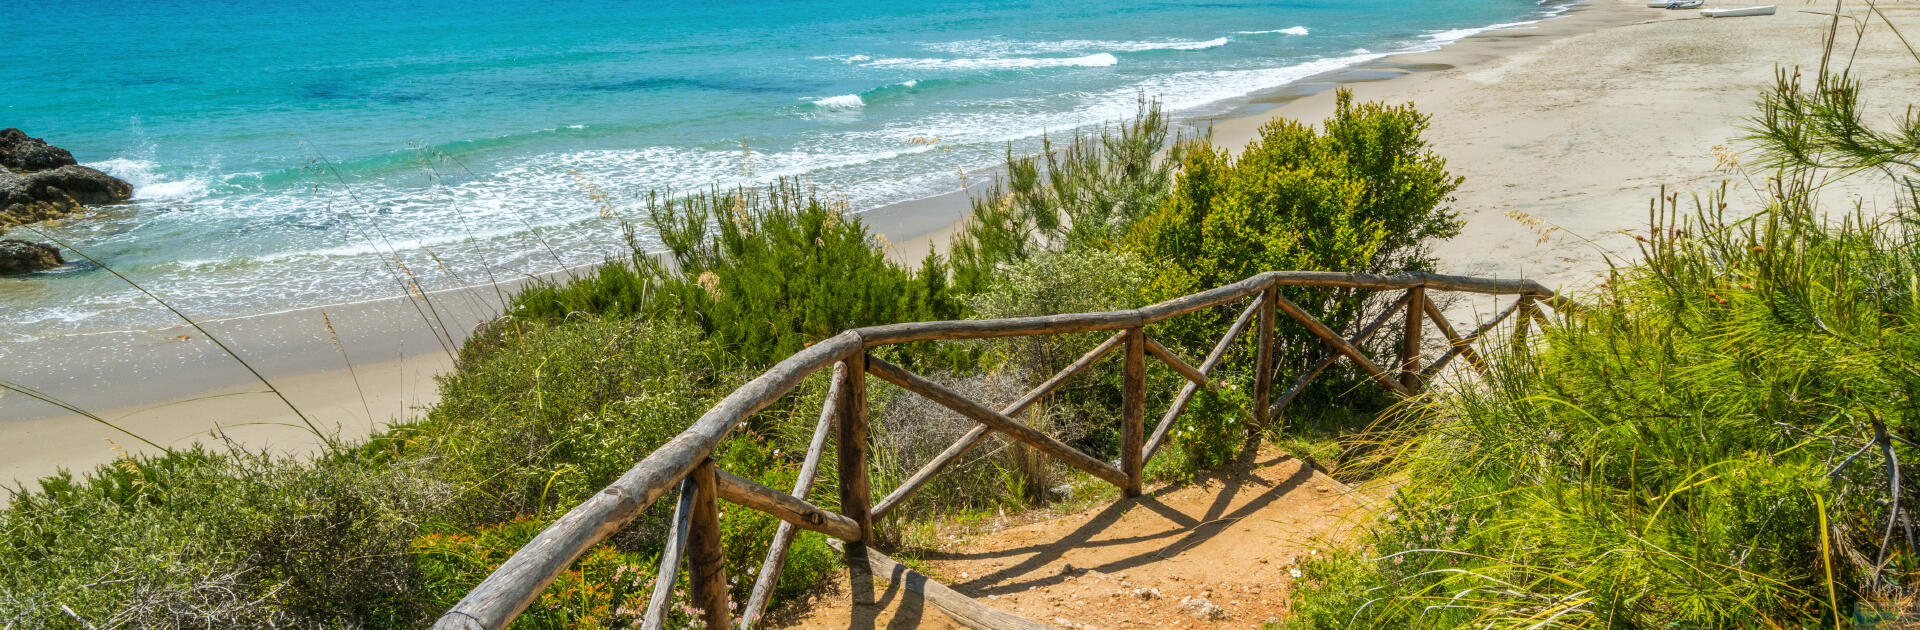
x: 1294, y: 572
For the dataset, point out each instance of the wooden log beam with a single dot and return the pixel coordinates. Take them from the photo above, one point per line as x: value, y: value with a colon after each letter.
x: 502, y: 595
x: 1133, y: 405
x: 1453, y: 341
x: 1520, y: 325
x: 1119, y: 320
x: 1047, y: 444
x: 963, y: 610
x: 1206, y: 367
x: 1263, y: 361
x: 1166, y: 355
x: 1367, y: 332
x: 788, y: 508
x: 855, y: 495
x: 1333, y: 339
x: 1410, y: 350
x: 1432, y: 281
x: 973, y: 436
x: 1466, y: 343
x: 776, y: 561
x: 707, y: 567
x: 669, y: 572
x: 992, y: 328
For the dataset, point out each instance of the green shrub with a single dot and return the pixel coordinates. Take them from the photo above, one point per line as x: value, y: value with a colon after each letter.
x: 1365, y: 194
x: 198, y: 539
x: 559, y: 411
x: 761, y: 273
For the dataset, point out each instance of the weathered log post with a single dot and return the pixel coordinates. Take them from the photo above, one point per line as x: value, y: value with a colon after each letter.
x: 1263, y: 362
x: 1521, y: 320
x: 856, y: 499
x: 1410, y: 346
x: 1133, y: 409
x: 707, y: 570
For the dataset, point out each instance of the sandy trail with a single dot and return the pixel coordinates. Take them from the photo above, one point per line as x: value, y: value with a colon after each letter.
x: 1229, y: 537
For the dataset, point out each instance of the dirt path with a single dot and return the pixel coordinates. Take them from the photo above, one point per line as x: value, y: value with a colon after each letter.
x: 1229, y: 538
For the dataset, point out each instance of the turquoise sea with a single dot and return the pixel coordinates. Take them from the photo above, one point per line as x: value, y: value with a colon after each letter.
x: 284, y: 153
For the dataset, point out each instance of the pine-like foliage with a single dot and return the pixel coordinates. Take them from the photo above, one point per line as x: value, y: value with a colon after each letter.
x: 761, y: 272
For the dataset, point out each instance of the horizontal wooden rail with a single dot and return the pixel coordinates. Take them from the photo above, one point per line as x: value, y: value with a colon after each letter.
x: 802, y: 514
x: 519, y: 581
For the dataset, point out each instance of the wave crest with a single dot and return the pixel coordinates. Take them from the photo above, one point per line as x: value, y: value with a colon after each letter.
x: 1291, y: 30
x: 998, y: 63
x: 147, y: 182
x: 843, y: 101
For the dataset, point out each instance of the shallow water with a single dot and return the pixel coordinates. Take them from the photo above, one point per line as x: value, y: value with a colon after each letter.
x: 290, y: 155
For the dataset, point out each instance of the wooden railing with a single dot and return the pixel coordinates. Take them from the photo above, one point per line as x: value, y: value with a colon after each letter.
x: 683, y: 460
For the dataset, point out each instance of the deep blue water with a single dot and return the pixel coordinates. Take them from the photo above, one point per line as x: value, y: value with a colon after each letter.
x: 282, y: 150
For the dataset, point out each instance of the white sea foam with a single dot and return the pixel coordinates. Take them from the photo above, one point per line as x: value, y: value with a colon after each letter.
x: 149, y: 184
x: 910, y: 83
x: 1291, y: 30
x: 1440, y: 38
x: 843, y: 101
x: 1173, y: 45
x: 998, y: 63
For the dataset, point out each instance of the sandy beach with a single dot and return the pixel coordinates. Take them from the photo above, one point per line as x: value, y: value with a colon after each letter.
x: 1577, y: 122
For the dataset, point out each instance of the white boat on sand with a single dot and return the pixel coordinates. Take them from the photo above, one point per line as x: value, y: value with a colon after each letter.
x: 1739, y: 12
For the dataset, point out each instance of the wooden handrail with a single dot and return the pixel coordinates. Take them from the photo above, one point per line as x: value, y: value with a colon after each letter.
x: 516, y: 583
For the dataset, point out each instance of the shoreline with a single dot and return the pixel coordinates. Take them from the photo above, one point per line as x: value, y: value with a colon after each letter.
x: 1501, y: 117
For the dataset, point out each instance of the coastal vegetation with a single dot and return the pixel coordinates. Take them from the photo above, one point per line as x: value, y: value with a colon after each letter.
x: 1716, y: 440
x: 583, y: 377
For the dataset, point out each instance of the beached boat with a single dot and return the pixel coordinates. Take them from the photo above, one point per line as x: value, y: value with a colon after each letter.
x: 1686, y: 4
x: 1739, y: 12
x: 1658, y: 4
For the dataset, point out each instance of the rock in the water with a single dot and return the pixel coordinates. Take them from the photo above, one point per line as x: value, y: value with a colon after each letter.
x: 21, y: 153
x: 25, y: 257
x: 39, y: 181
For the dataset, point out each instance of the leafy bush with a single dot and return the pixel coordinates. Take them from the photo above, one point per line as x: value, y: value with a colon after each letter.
x: 1365, y: 195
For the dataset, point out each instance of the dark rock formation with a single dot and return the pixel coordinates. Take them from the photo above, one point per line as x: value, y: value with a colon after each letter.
x: 21, y: 153
x: 24, y: 257
x: 39, y: 181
